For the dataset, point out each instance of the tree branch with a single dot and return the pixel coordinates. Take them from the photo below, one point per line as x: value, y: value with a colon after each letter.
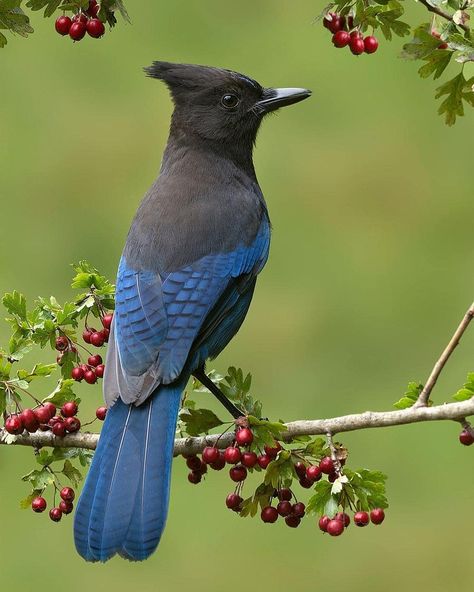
x: 438, y: 367
x: 346, y: 423
x: 441, y: 13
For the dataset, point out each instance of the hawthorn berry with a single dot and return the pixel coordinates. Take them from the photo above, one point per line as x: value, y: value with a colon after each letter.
x: 361, y: 518
x: 238, y: 473
x: 95, y: 28
x: 293, y: 521
x: 357, y: 47
x: 94, y: 360
x: 107, y: 321
x: 335, y: 527
x: 69, y: 409
x: 326, y: 465
x: 466, y: 438
x: 106, y: 334
x: 305, y: 482
x: 263, y: 461
x: 100, y: 413
x: 442, y: 45
x: 345, y: 518
x: 332, y: 476
x: 269, y: 514
x: 244, y: 437
x: 80, y: 17
x: 55, y: 513
x: 313, y: 473
x: 66, y: 507
x: 370, y: 44
x: 86, y: 335
x: 62, y: 25
x: 341, y: 39
x: 284, y: 508
x: 299, y: 509
x: 272, y: 451
x: 14, y: 425
x: 67, y: 494
x: 38, y: 504
x: 193, y: 463
x: 219, y: 464
x: 377, y: 516
x: 100, y: 370
x: 194, y: 477
x: 77, y: 373
x: 61, y: 343
x: 50, y: 407
x: 43, y: 414
x: 76, y: 33
x: 93, y: 9
x: 284, y: 494
x: 249, y: 459
x: 334, y: 23
x: 59, y: 428
x: 232, y: 455
x: 210, y: 454
x: 72, y: 424
x: 300, y: 469
x: 29, y: 420
x: 97, y: 339
x: 323, y: 523
x: 90, y: 377
x: 233, y: 501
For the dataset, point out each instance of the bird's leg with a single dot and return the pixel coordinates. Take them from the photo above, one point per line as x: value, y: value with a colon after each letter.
x: 216, y: 391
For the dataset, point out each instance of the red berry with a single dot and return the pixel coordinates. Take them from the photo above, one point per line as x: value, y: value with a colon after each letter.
x: 345, y: 518
x: 284, y: 508
x: 323, y: 523
x: 29, y: 420
x: 370, y: 44
x: 466, y: 438
x: 238, y: 473
x: 84, y: 367
x: 298, y: 509
x: 249, y: 459
x: 14, y: 425
x: 50, y: 408
x: 43, y: 414
x: 100, y: 413
x: 69, y: 409
x: 269, y: 514
x: 341, y: 38
x: 300, y: 469
x: 272, y: 451
x: 293, y: 521
x: 38, y: 505
x: 66, y: 507
x: 233, y: 501
x: 55, y: 514
x: 193, y: 463
x: 356, y: 34
x: 93, y: 9
x: 62, y: 343
x: 313, y: 473
x: 332, y: 477
x: 263, y: 461
x: 306, y: 483
x: 377, y: 516
x: 335, y: 527
x: 95, y: 28
x: 62, y: 25
x: 100, y: 370
x: 357, y: 47
x: 232, y: 455
x: 107, y: 321
x: 194, y: 477
x: 67, y: 494
x: 86, y: 335
x: 59, y: 428
x: 326, y: 465
x: 361, y: 518
x: 76, y: 32
x: 77, y: 373
x: 210, y: 454
x: 106, y: 334
x: 284, y: 495
x: 90, y: 377
x: 72, y: 424
x: 98, y: 339
x: 244, y: 437
x: 94, y: 360
x: 219, y: 464
x: 80, y: 17
x: 334, y: 22
x: 443, y: 45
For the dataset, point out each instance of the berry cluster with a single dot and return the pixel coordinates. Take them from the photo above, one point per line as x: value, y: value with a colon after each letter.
x: 345, y: 34
x: 81, y: 23
x: 94, y: 368
x: 67, y: 495
x: 335, y: 526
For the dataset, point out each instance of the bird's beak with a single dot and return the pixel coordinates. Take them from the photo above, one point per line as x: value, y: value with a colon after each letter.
x: 274, y: 98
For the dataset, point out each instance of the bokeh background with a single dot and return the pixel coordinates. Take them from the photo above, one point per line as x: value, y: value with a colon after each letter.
x: 371, y: 269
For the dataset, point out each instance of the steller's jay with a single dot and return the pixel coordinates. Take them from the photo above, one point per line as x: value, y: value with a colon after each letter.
x: 185, y: 281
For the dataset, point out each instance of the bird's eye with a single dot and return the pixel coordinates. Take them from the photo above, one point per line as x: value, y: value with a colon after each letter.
x: 230, y: 101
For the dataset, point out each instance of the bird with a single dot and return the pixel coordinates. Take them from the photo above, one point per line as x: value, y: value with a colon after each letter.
x: 185, y: 280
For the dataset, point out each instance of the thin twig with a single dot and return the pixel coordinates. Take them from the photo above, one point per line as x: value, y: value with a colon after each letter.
x: 438, y: 367
x: 441, y: 13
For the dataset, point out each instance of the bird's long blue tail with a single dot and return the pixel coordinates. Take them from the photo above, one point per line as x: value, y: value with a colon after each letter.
x: 124, y: 503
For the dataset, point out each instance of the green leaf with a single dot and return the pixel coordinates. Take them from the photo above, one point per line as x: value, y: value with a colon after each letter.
x: 39, y: 479
x: 437, y: 62
x: 323, y: 501
x: 422, y: 45
x: 73, y: 474
x: 410, y: 397
x: 15, y: 303
x: 456, y: 90
x: 199, y: 421
x: 62, y: 393
x: 467, y: 392
x: 280, y: 471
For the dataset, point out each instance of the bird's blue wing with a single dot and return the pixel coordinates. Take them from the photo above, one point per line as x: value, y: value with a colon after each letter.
x: 157, y: 319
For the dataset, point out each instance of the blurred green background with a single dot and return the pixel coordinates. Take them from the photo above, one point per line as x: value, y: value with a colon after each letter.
x: 370, y: 196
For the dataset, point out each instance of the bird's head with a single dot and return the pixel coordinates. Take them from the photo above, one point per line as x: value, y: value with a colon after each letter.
x: 219, y: 104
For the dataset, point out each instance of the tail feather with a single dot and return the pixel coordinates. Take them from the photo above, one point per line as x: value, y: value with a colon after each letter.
x: 124, y: 504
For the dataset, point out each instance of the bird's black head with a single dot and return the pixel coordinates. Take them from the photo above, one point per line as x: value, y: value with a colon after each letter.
x: 217, y: 104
